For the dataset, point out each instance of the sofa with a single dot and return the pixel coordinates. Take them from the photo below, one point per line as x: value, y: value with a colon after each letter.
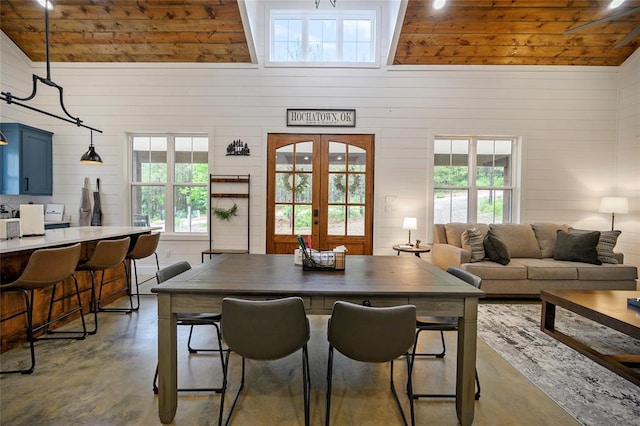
x: 538, y: 256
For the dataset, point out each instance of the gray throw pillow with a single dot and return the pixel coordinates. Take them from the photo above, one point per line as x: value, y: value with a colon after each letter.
x: 606, y: 243
x: 473, y: 241
x: 496, y: 249
x: 577, y: 247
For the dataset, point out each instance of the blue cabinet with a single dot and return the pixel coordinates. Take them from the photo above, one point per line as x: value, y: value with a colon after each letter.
x: 26, y: 161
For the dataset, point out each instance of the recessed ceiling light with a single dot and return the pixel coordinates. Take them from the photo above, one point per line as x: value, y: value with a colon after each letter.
x: 49, y: 4
x: 615, y: 3
x: 438, y: 4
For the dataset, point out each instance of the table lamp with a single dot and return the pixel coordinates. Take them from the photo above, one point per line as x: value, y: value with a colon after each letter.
x: 614, y: 205
x: 410, y: 223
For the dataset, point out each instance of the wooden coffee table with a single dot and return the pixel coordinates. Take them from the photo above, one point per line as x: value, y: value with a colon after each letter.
x: 604, y: 307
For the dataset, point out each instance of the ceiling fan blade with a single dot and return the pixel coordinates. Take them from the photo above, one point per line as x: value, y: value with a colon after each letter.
x: 603, y: 20
x: 628, y: 37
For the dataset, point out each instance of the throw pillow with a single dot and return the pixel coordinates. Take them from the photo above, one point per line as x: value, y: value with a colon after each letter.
x: 472, y: 240
x: 546, y: 236
x: 576, y: 247
x: 606, y: 243
x: 496, y: 249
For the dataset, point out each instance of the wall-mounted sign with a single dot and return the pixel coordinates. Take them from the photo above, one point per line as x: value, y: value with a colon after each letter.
x: 321, y: 117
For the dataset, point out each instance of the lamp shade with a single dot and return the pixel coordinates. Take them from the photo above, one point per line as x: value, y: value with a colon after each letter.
x: 614, y: 205
x: 410, y: 223
x: 91, y: 156
x: 3, y: 139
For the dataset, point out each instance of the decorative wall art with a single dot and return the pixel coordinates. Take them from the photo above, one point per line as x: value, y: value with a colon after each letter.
x: 237, y: 147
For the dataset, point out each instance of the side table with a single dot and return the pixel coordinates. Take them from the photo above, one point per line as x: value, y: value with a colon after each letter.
x: 411, y: 249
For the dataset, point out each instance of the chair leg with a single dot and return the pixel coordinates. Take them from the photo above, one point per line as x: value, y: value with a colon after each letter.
x: 235, y: 399
x: 128, y: 310
x: 196, y: 350
x: 395, y: 395
x: 29, y: 312
x: 50, y: 321
x: 306, y: 382
x: 437, y: 354
x: 329, y: 380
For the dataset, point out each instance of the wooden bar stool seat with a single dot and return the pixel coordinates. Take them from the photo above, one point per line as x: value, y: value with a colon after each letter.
x: 47, y: 268
x: 107, y: 254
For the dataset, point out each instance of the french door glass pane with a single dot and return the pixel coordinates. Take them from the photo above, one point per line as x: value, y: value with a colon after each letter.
x: 337, y: 221
x: 284, y: 187
x: 284, y: 220
x: 302, y: 219
x: 190, y: 208
x: 355, y: 224
x: 357, y: 159
x: 337, y: 157
x: 304, y: 156
x: 150, y: 201
x: 357, y: 188
x: 304, y: 183
x: 284, y: 158
x: 337, y: 189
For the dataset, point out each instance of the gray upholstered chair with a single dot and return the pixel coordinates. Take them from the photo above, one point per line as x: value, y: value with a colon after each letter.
x: 265, y: 330
x: 106, y: 255
x: 371, y: 334
x: 191, y: 320
x: 442, y: 324
x: 145, y: 246
x: 46, y: 268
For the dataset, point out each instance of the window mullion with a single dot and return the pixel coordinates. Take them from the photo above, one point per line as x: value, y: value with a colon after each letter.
x: 473, y: 189
x: 169, y: 189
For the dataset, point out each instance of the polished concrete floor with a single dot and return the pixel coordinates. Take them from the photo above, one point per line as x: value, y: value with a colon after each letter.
x: 107, y: 380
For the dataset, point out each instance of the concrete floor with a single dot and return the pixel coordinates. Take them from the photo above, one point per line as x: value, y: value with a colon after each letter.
x: 107, y: 380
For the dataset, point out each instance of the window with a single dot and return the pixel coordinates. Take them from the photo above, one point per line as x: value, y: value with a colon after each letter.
x: 313, y: 37
x: 169, y: 179
x: 474, y: 180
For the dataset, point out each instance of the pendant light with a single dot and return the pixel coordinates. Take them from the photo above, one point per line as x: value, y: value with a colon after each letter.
x: 3, y: 139
x: 91, y: 156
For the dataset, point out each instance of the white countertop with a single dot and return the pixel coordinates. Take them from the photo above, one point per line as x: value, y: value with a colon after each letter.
x: 62, y: 236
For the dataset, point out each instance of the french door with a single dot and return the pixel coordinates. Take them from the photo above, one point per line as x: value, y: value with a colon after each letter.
x: 321, y: 188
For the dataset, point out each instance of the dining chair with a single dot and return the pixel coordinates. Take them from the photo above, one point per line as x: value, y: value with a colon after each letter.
x: 371, y: 334
x: 265, y: 330
x: 191, y: 320
x: 47, y: 268
x: 442, y: 324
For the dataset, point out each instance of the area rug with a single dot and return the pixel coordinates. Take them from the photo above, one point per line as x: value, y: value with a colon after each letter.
x: 592, y: 394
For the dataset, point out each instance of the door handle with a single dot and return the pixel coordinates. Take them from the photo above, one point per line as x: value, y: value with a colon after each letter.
x: 315, y: 214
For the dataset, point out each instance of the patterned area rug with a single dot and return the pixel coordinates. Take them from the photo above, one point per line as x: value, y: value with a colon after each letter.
x: 589, y: 392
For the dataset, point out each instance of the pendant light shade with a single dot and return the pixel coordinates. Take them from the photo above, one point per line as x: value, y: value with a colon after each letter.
x: 3, y: 139
x: 91, y: 156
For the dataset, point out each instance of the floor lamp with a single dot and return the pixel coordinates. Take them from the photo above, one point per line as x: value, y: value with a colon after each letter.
x: 614, y: 205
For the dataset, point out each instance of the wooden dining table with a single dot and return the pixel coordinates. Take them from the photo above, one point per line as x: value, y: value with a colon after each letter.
x: 374, y: 280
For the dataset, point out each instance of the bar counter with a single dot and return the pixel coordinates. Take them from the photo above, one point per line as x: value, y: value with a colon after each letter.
x: 14, y: 255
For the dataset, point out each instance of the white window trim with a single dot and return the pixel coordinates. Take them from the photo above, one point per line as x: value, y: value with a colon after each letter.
x: 515, y: 187
x: 170, y: 184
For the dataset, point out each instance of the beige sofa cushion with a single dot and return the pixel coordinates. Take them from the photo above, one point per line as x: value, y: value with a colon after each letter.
x: 549, y: 269
x: 546, y: 235
x: 606, y: 272
x: 454, y: 231
x: 520, y: 239
x: 494, y: 271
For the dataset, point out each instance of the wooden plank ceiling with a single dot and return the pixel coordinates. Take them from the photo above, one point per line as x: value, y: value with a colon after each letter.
x: 465, y: 32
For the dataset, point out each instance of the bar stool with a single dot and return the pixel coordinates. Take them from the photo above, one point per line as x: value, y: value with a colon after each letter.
x: 145, y: 246
x: 46, y: 268
x: 107, y: 254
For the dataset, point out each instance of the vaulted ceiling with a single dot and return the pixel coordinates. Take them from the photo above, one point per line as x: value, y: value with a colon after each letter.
x: 465, y: 32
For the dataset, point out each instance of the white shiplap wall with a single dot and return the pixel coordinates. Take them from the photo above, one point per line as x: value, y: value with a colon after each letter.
x: 568, y: 118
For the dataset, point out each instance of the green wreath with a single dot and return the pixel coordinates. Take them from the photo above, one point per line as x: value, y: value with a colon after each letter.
x: 226, y: 214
